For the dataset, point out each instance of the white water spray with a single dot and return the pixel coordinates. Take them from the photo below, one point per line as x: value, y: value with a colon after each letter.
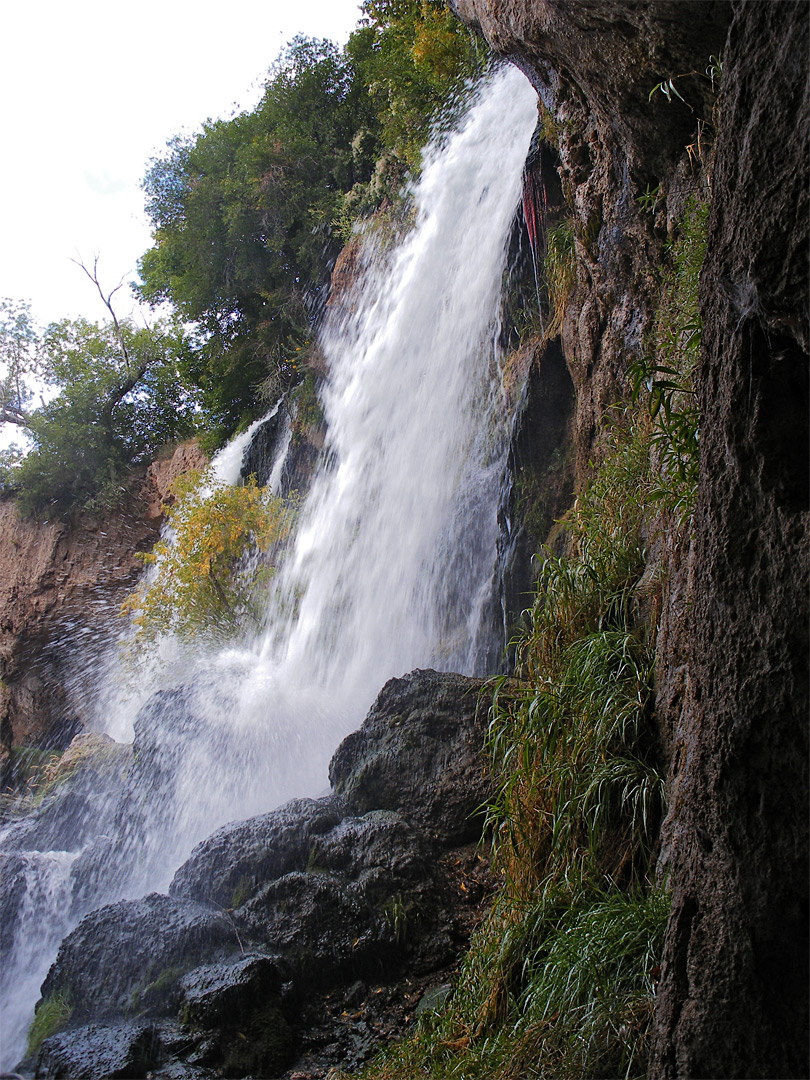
x: 394, y: 556
x: 395, y: 550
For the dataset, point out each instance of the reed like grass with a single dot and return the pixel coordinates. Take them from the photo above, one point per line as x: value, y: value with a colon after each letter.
x: 559, y: 980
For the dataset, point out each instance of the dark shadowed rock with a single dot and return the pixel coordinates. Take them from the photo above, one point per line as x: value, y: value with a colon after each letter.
x: 379, y: 844
x: 733, y: 996
x: 119, y: 951
x: 215, y: 993
x: 125, y: 1051
x: 419, y: 752
x: 230, y: 865
x: 273, y: 922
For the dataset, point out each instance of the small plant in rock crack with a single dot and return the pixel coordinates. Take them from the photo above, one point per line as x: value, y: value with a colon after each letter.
x: 666, y: 376
x: 670, y: 91
x: 648, y: 200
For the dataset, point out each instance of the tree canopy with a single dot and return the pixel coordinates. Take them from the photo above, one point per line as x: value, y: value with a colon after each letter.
x: 112, y: 394
x: 248, y: 217
x: 248, y: 214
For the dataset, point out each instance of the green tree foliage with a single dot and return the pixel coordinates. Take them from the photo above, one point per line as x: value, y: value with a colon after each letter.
x: 243, y: 215
x: 206, y: 575
x: 250, y: 213
x: 17, y: 360
x: 118, y: 392
x: 413, y: 56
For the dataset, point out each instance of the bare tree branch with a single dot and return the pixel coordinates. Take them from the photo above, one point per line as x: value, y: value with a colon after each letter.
x: 135, y: 374
x: 11, y: 414
x: 107, y: 301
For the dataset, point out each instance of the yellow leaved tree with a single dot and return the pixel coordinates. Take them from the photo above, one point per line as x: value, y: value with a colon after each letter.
x: 208, y: 572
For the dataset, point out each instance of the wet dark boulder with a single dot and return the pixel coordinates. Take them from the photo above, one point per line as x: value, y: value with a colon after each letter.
x: 419, y: 752
x: 131, y: 948
x: 230, y: 865
x: 275, y: 928
x: 214, y: 993
x: 381, y: 844
x: 125, y: 1051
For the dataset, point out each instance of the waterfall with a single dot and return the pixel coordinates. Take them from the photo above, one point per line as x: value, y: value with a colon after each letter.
x: 392, y: 563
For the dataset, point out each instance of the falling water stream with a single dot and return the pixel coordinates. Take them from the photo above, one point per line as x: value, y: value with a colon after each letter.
x: 391, y: 567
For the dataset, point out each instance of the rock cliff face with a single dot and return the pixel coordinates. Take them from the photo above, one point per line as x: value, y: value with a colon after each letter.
x: 61, y: 585
x: 732, y: 693
x: 733, y: 678
x: 593, y: 70
x: 733, y: 1000
x: 297, y: 941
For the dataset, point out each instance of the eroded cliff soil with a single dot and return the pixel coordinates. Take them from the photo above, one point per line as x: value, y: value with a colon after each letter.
x: 61, y: 587
x: 733, y: 675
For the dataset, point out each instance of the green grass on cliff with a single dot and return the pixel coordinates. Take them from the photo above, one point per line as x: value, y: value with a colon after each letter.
x: 559, y: 981
x: 51, y: 1016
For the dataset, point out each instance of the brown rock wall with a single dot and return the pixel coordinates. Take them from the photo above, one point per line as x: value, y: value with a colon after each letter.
x: 61, y: 586
x: 733, y: 994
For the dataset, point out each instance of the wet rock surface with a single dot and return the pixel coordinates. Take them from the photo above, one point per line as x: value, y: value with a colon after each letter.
x: 302, y: 939
x: 593, y: 66
x: 419, y: 753
x: 733, y: 997
x: 732, y: 683
x: 260, y: 453
x: 129, y: 1049
x: 61, y: 588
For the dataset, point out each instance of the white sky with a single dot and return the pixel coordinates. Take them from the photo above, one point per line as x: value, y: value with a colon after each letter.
x: 89, y: 91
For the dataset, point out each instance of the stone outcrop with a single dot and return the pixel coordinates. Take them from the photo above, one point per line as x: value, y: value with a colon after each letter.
x: 61, y: 587
x: 733, y: 994
x: 301, y: 939
x: 733, y: 655
x: 593, y: 66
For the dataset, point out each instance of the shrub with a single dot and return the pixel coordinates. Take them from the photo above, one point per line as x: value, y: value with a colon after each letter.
x: 52, y: 1015
x: 207, y: 575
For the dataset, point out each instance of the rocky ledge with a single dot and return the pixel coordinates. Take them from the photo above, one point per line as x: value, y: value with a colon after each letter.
x: 305, y: 938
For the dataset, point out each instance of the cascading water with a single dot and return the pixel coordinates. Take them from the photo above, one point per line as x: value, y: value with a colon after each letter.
x: 393, y: 558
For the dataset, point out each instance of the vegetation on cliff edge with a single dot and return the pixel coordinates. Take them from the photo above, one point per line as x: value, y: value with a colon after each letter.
x: 248, y: 217
x: 560, y: 980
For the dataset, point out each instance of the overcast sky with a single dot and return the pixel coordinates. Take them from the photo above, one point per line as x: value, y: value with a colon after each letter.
x: 90, y: 90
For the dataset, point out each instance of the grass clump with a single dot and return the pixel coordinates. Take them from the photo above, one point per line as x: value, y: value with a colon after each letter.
x: 52, y: 1015
x: 559, y: 271
x: 559, y: 980
x: 665, y: 380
